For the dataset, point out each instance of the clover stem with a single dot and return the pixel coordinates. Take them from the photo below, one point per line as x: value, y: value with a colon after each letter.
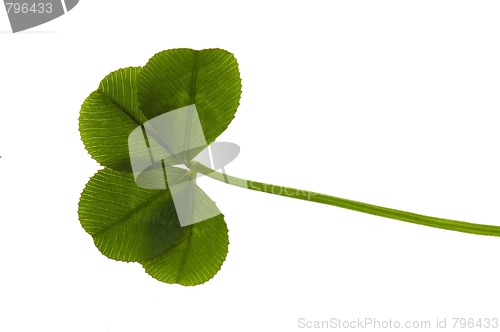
x: 454, y: 225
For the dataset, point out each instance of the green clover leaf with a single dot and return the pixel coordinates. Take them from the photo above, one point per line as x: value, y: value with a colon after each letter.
x: 133, y: 224
x: 128, y: 221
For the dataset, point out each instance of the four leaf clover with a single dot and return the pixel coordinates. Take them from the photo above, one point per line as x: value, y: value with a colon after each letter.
x: 133, y: 224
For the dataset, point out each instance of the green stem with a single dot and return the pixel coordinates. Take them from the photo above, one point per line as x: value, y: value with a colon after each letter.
x: 454, y: 225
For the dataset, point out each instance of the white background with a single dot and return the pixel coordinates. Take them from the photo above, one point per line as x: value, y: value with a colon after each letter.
x: 392, y: 103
